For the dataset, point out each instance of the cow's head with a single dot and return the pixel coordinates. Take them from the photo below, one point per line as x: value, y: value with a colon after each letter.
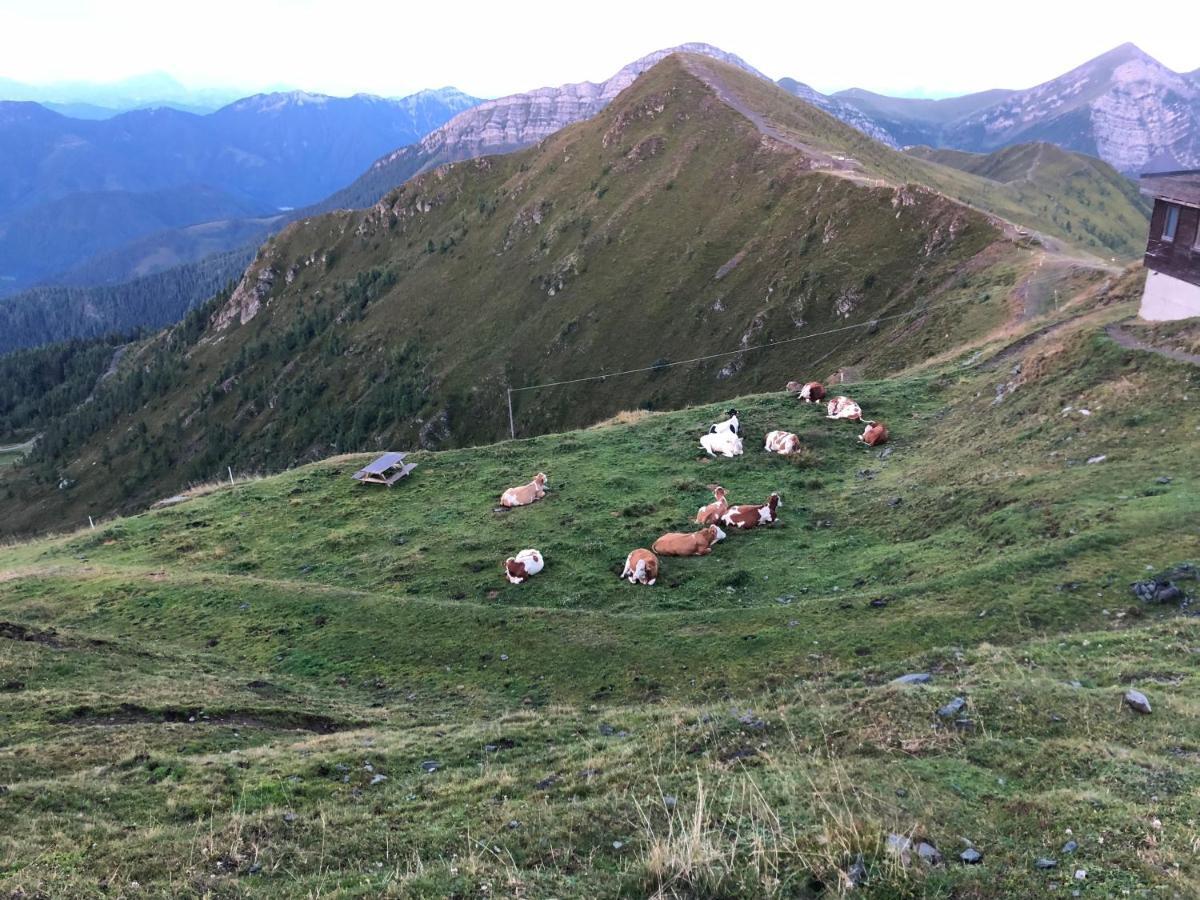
x: 540, y: 479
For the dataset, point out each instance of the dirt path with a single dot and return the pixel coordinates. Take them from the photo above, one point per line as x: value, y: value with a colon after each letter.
x: 1130, y: 342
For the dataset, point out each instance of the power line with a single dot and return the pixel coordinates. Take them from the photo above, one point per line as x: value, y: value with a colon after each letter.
x: 803, y: 337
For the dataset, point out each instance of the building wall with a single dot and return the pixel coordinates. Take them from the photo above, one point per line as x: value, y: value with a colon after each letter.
x: 1167, y: 297
x: 1179, y: 258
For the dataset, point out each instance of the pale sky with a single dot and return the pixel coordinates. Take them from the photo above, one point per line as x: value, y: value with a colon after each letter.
x: 395, y: 47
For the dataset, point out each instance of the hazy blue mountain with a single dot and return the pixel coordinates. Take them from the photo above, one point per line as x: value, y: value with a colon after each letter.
x: 73, y: 190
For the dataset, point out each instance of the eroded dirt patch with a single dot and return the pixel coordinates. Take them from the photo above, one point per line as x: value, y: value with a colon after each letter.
x: 274, y: 719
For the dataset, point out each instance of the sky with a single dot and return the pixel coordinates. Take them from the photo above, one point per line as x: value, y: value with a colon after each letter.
x: 491, y: 49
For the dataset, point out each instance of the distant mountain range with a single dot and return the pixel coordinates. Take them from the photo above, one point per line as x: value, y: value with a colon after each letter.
x: 1124, y: 107
x: 257, y: 156
x: 72, y: 189
x: 102, y: 100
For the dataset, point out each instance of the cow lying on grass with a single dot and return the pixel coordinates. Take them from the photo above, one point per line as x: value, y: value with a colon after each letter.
x: 526, y: 493
x: 843, y: 408
x: 523, y: 566
x: 722, y: 443
x: 781, y: 442
x: 710, y: 514
x: 698, y: 543
x: 874, y: 434
x: 747, y: 517
x: 641, y: 567
x: 809, y: 392
x: 731, y: 424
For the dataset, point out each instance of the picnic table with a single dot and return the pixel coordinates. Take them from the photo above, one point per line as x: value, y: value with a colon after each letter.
x: 388, y: 469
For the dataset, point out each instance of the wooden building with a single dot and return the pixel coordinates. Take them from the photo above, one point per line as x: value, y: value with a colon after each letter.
x: 1173, y: 252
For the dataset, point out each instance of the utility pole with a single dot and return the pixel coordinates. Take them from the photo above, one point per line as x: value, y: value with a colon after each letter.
x: 512, y: 428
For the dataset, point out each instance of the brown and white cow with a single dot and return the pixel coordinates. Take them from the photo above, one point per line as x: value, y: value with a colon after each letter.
x: 874, y: 434
x: 698, y: 543
x: 526, y: 493
x: 809, y: 392
x: 844, y: 408
x: 641, y: 567
x: 708, y: 515
x: 747, y: 517
x: 523, y: 566
x: 781, y: 442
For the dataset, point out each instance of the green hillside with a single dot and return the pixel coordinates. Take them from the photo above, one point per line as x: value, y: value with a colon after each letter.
x: 202, y: 699
x: 705, y: 210
x: 1074, y: 197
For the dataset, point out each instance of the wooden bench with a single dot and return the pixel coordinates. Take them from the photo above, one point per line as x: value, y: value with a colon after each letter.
x: 388, y: 469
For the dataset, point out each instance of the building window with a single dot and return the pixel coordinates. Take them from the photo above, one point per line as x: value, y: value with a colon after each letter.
x: 1171, y: 222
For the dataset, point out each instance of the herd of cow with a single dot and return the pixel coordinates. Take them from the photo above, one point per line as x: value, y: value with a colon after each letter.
x: 723, y: 439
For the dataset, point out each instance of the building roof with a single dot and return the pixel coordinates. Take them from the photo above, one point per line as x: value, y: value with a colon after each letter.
x: 1177, y: 187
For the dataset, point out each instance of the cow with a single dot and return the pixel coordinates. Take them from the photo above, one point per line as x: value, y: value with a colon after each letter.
x: 747, y: 517
x: 523, y: 566
x: 725, y: 443
x: 526, y: 493
x: 698, y: 543
x: 781, y: 442
x: 731, y: 424
x: 844, y: 408
x: 809, y: 392
x: 641, y: 567
x: 709, y: 514
x: 874, y: 434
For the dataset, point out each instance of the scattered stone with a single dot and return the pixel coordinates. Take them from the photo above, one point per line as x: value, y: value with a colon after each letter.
x: 380, y: 779
x: 749, y: 720
x: 1092, y: 460
x: 1080, y: 874
x: 901, y: 793
x: 1137, y: 701
x: 513, y: 824
x: 617, y: 845
x: 1045, y: 863
x: 895, y: 501
x: 503, y: 657
x: 1163, y: 479
x: 1070, y: 847
x: 254, y: 869
x: 953, y: 708
x: 857, y: 874
x: 901, y: 846
x: 964, y: 724
x: 785, y: 599
x: 289, y: 817
x: 971, y: 856
x: 589, y: 774
x: 880, y: 602
x: 490, y: 748
x: 913, y: 678
x: 546, y: 783
x: 929, y: 854
x: 606, y: 729
x: 431, y: 765
x: 885, y: 453
x: 670, y: 801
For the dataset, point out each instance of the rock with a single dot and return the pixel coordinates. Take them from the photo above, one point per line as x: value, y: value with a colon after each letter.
x: 880, y: 602
x: 606, y: 729
x: 953, y: 708
x: 1045, y: 863
x: 490, y: 748
x: 380, y: 779
x: 589, y: 774
x: 964, y: 724
x: 885, y: 453
x: 900, y: 846
x: 749, y: 720
x: 431, y: 765
x: 289, y: 817
x: 895, y: 501
x: 913, y: 678
x: 503, y: 657
x: 546, y: 783
x: 1070, y: 847
x: 785, y: 599
x: 1163, y: 479
x: 513, y: 824
x: 1080, y: 874
x: 617, y: 845
x: 929, y: 854
x: 670, y: 801
x: 971, y: 856
x: 901, y: 793
x: 1092, y: 460
x: 857, y: 873
x: 1137, y: 701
